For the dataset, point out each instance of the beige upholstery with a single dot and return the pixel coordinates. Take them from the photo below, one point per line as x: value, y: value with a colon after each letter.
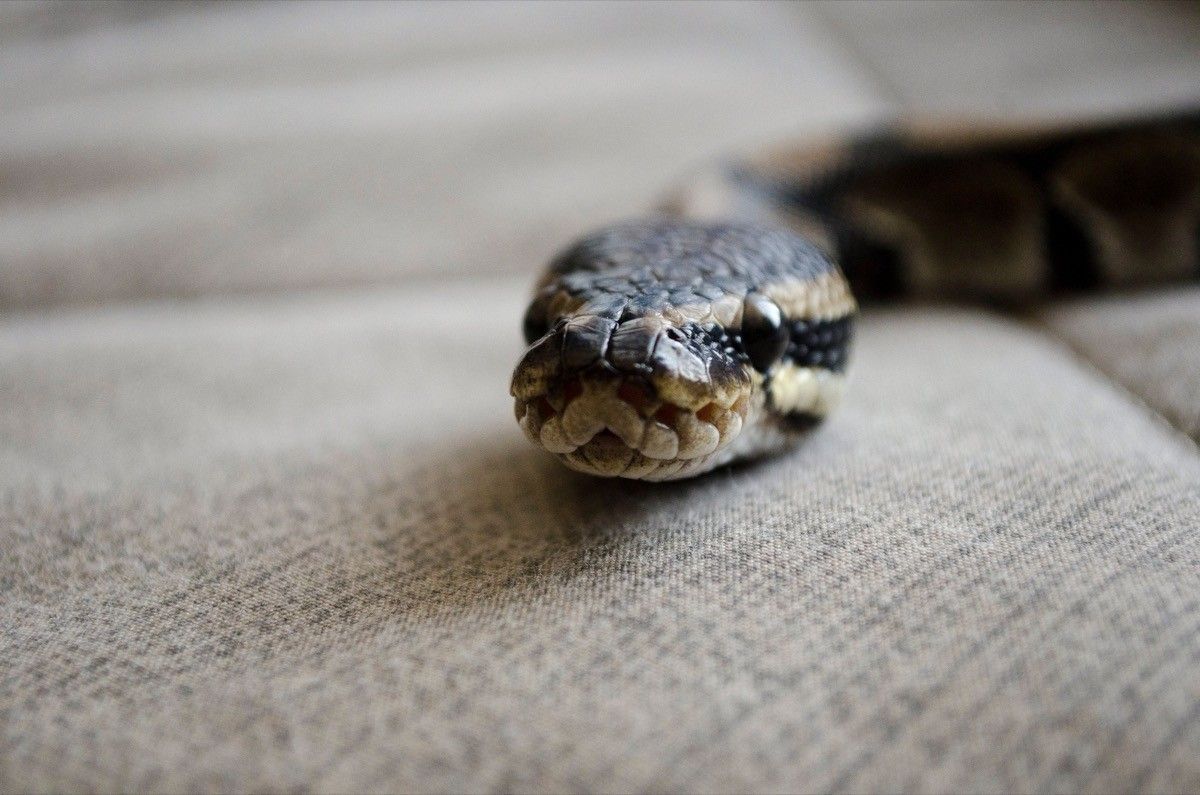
x: 1148, y: 343
x: 267, y: 522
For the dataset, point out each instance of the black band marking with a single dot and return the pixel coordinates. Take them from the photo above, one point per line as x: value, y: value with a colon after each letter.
x: 820, y: 343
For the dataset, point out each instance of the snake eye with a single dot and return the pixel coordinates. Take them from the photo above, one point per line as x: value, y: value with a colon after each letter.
x: 764, y: 335
x: 534, y: 325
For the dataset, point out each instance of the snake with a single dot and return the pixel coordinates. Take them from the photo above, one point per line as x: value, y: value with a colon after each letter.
x: 719, y: 329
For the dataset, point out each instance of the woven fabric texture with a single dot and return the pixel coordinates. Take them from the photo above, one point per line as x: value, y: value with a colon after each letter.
x: 312, y: 568
x: 1150, y: 344
x: 267, y: 522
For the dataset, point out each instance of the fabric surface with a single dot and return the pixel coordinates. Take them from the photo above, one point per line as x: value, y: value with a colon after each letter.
x: 328, y: 561
x: 267, y: 522
x: 1149, y: 343
x: 261, y: 146
x: 1002, y: 59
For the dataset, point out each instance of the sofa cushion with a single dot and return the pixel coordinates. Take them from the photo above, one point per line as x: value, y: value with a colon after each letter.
x: 281, y: 543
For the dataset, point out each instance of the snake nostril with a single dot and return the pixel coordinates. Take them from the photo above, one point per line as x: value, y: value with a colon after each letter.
x: 545, y: 409
x: 708, y: 413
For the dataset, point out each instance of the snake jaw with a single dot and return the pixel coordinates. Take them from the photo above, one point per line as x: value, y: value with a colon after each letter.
x: 616, y: 427
x: 637, y: 399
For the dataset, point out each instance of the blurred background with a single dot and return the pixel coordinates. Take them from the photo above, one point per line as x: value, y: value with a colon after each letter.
x: 162, y: 150
x: 267, y: 523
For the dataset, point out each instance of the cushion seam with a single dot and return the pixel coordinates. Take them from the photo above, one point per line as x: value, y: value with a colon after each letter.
x: 1088, y: 363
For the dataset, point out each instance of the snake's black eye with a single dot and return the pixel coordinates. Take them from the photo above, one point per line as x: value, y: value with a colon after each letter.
x: 764, y: 335
x: 534, y: 325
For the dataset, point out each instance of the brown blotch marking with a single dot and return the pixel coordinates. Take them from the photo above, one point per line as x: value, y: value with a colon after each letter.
x: 667, y: 414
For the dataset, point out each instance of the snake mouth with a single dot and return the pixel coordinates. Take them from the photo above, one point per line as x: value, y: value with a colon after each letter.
x: 622, y: 428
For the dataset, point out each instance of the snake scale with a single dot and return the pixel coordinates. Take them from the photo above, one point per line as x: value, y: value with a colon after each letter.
x: 721, y: 329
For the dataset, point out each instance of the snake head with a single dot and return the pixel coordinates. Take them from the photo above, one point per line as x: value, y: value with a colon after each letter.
x: 652, y: 348
x: 639, y: 397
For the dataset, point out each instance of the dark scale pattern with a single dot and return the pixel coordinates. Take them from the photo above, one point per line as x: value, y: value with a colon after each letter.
x: 875, y: 263
x: 716, y: 340
x: 644, y: 266
x: 820, y: 343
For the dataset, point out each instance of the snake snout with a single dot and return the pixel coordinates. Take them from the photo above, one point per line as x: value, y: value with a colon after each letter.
x: 633, y: 398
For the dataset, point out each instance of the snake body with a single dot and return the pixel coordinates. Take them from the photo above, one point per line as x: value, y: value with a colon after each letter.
x: 663, y: 348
